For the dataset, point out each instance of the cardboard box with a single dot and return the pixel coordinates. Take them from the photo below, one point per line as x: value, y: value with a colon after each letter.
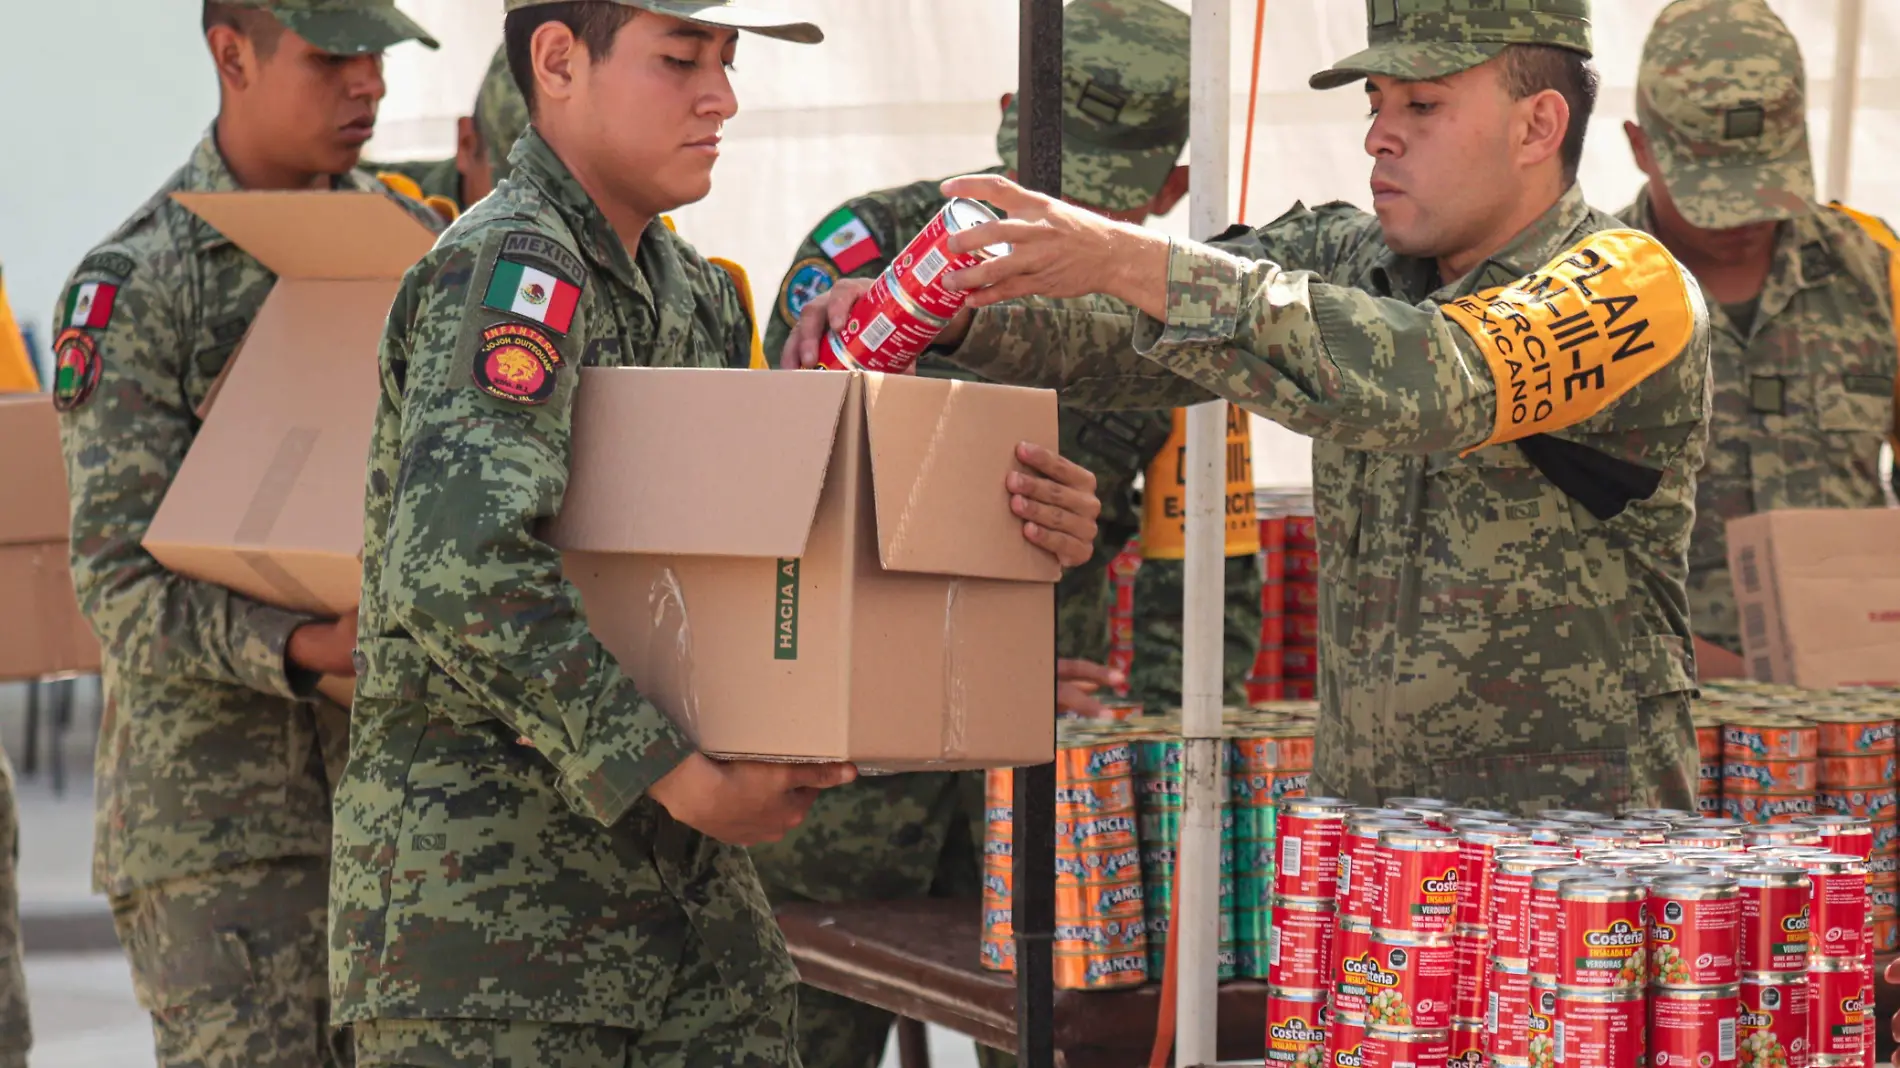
x: 817, y: 566
x: 41, y: 631
x: 1819, y: 595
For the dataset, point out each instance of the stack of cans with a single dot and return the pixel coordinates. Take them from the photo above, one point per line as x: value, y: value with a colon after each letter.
x: 1708, y: 743
x: 1121, y: 613
x: 1287, y: 663
x: 1694, y: 968
x: 1158, y: 776
x: 1769, y: 767
x: 1840, y: 962
x: 1261, y: 762
x: 1304, y: 912
x: 1775, y: 1008
x: 1858, y: 764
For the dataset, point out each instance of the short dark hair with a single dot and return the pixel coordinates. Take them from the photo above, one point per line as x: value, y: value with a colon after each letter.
x: 260, y: 26
x: 1531, y: 69
x: 594, y: 23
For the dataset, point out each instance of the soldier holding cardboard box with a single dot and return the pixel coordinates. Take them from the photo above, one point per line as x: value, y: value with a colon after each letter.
x: 213, y: 791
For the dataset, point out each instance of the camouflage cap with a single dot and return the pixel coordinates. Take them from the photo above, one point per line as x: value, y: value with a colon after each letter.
x: 1419, y: 39
x: 712, y: 13
x: 345, y: 27
x: 1124, y: 101
x: 1722, y: 97
x: 501, y: 113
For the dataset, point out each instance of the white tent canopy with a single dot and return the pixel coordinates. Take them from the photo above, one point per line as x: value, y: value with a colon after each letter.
x: 906, y: 89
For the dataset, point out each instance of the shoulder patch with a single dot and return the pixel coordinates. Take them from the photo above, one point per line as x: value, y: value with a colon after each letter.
x: 516, y: 363
x: 846, y: 240
x: 89, y: 305
x: 117, y: 265
x: 807, y: 280
x: 531, y: 279
x: 76, y: 369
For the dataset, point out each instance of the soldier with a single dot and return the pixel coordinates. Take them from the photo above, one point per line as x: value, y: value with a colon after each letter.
x: 1124, y: 127
x: 1801, y: 301
x: 16, y: 1028
x: 212, y: 784
x: 1509, y: 401
x: 482, y: 141
x: 533, y: 865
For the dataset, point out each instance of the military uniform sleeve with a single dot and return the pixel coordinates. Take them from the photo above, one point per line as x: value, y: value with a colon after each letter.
x: 484, y: 460
x: 125, y: 428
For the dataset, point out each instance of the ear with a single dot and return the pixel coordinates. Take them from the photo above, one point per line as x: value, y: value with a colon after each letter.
x: 1639, y: 147
x: 1003, y: 102
x: 1546, y: 118
x: 556, y: 57
x: 1171, y: 192
x: 234, y: 57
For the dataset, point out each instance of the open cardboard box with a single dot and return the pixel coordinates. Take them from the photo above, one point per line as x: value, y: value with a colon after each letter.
x: 1819, y: 595
x: 269, y: 501
x: 41, y: 630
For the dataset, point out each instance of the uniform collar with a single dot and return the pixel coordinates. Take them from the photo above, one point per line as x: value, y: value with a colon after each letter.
x: 1804, y: 258
x: 535, y: 161
x: 207, y: 172
x: 1414, y: 278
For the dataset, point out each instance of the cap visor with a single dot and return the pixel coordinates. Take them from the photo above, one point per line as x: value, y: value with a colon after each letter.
x: 762, y: 23
x: 1114, y: 179
x: 1406, y: 61
x: 1722, y: 198
x: 349, y: 33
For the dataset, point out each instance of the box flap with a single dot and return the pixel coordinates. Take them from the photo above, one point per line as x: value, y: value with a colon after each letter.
x: 940, y: 449
x: 337, y: 236
x: 698, y: 462
x: 33, y: 502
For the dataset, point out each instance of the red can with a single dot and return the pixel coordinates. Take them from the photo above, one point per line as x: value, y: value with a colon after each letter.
x: 1472, y: 946
x: 1542, y: 1039
x: 1785, y: 834
x: 1602, y: 931
x: 1774, y: 918
x: 1695, y: 930
x: 1296, y: 1027
x: 1300, y: 951
x: 1547, y: 832
x: 886, y: 332
x: 1477, y: 849
x: 1386, y: 1048
x: 1846, y: 835
x: 1353, y: 947
x: 1467, y: 1045
x: 1507, y: 1012
x: 1510, y: 899
x: 920, y: 269
x: 1702, y: 838
x: 1346, y: 1042
x: 1837, y: 1009
x: 1694, y: 1028
x: 1311, y: 830
x: 1837, y: 904
x: 1418, y: 885
x: 1411, y: 983
x: 1773, y: 1023
x: 1542, y: 916
x: 1602, y: 1028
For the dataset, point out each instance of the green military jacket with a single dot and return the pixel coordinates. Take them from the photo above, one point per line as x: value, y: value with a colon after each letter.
x: 496, y: 854
x: 211, y: 753
x: 1486, y: 636
x: 1804, y: 396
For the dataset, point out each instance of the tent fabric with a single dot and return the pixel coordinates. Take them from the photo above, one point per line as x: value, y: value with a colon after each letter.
x: 903, y: 89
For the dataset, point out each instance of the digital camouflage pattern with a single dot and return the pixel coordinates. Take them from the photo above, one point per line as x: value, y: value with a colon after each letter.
x: 501, y: 114
x: 1721, y: 94
x: 231, y: 965
x: 345, y: 27
x: 1420, y: 39
x: 1154, y: 678
x: 496, y: 855
x: 16, y: 1025
x: 1124, y: 101
x: 1484, y: 635
x: 721, y: 13
x: 212, y: 751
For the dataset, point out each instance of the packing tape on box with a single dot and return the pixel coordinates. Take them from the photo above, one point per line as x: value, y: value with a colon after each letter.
x: 955, y: 689
x: 672, y: 637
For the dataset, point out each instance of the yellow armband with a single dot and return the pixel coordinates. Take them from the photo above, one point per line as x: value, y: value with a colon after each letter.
x: 1884, y: 236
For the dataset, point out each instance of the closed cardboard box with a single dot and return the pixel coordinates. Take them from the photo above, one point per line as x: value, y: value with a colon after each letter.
x: 42, y: 633
x: 1819, y: 595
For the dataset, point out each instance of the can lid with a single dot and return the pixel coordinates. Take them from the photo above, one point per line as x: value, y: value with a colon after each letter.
x: 1571, y: 815
x: 1417, y: 802
x: 1373, y: 828
x: 1678, y: 880
x: 1382, y: 814
x: 1617, y: 995
x: 1696, y: 993
x: 1634, y: 825
x: 1831, y: 864
x: 1768, y: 720
x: 1769, y: 871
x: 1716, y: 823
x: 1660, y: 815
x: 1835, y: 823
x: 1323, y: 906
x: 1298, y: 993
x: 1408, y: 1034
x: 1489, y: 815
x: 1837, y: 965
x: 1318, y: 807
x: 1799, y: 978
x: 1416, y: 838
x: 1554, y: 876
x: 963, y: 213
x: 1604, y: 888
x: 1702, y: 834
x: 1494, y: 835
x: 1387, y: 936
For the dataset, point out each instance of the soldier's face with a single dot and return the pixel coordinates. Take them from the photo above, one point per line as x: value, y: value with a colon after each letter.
x: 1442, y: 169
x: 653, y: 109
x: 320, y: 108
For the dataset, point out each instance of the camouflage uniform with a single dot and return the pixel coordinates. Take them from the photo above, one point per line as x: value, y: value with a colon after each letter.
x: 215, y: 760
x: 1804, y: 377
x: 501, y: 114
x: 1504, y: 618
x: 505, y: 891
x: 904, y: 836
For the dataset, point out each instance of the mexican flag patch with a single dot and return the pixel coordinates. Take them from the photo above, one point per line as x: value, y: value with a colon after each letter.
x: 844, y: 237
x: 89, y: 305
x: 532, y: 293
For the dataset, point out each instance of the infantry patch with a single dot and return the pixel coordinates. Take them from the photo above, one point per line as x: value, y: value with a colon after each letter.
x: 809, y: 278
x: 117, y: 264
x: 76, y: 369
x: 543, y: 251
x: 1567, y: 341
x: 517, y: 364
x: 89, y: 305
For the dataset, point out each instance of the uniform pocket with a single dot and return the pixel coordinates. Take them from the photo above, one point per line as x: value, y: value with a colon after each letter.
x: 1854, y: 402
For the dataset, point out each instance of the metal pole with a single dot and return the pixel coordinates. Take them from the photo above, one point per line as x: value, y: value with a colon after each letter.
x: 1039, y: 117
x: 1197, y: 897
x: 1848, y: 24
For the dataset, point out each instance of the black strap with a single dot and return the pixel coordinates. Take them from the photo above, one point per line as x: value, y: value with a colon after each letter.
x: 1601, y: 483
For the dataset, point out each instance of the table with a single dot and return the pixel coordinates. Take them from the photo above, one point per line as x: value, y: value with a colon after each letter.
x: 918, y: 959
